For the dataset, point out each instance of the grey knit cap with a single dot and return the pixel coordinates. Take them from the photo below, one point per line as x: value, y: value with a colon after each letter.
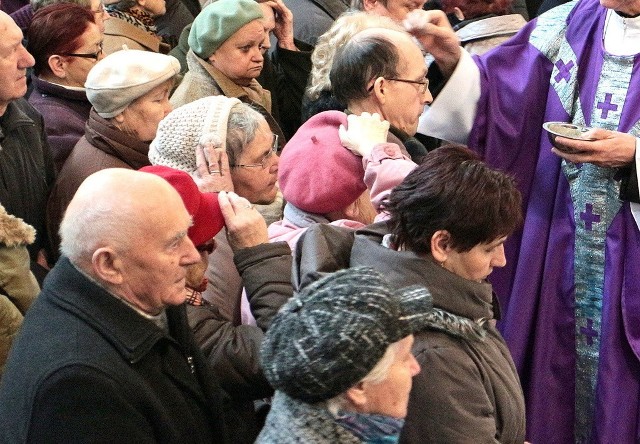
x: 331, y: 335
x: 183, y: 128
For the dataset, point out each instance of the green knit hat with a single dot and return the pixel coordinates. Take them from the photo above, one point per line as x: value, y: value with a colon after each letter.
x: 219, y: 21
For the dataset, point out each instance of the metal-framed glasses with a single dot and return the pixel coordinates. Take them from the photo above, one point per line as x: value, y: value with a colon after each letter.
x: 265, y: 159
x: 422, y: 88
x: 90, y: 55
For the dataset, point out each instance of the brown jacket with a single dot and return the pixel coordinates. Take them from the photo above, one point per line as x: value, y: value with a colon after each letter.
x: 203, y: 80
x: 468, y: 390
x: 18, y: 286
x: 103, y: 146
x: 118, y: 32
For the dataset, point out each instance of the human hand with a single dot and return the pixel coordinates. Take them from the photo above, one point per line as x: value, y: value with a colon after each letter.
x: 611, y: 149
x: 213, y: 173
x: 434, y: 32
x: 365, y: 131
x: 245, y: 225
x: 284, y: 24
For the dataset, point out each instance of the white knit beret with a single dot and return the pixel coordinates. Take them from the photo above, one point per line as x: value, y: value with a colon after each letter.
x: 182, y: 129
x: 123, y: 76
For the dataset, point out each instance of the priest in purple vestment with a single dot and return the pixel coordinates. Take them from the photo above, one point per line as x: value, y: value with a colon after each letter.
x: 571, y: 290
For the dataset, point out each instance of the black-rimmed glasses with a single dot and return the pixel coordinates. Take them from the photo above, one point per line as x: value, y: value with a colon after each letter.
x: 90, y: 55
x: 265, y: 159
x: 422, y: 89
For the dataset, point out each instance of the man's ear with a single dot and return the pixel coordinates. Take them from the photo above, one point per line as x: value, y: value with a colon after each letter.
x: 357, y: 396
x: 58, y: 66
x: 380, y: 90
x: 107, y: 265
x: 440, y: 245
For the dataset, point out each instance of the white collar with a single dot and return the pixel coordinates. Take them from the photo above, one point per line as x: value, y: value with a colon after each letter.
x: 621, y: 35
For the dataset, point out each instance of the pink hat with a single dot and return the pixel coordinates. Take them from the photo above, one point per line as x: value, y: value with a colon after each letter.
x: 316, y: 173
x: 203, y: 207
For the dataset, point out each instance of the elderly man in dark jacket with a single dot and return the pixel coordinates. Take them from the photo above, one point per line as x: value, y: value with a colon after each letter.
x: 105, y: 353
x: 27, y: 171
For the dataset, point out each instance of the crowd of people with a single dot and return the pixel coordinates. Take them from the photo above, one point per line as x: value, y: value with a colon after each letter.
x: 288, y: 221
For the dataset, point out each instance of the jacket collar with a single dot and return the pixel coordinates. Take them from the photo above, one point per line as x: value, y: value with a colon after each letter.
x: 52, y: 89
x: 130, y: 333
x: 103, y: 135
x: 462, y: 297
x: 14, y: 117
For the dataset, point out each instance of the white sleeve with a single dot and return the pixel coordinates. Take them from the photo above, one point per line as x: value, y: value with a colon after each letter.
x: 451, y: 115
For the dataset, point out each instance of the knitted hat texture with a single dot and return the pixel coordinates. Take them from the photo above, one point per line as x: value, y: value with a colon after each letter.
x: 182, y: 129
x: 331, y: 335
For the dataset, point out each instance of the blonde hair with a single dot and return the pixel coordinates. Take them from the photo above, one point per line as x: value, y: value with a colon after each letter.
x: 345, y: 27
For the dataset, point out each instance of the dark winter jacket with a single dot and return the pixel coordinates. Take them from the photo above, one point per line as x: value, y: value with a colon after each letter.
x: 468, y: 389
x: 233, y: 351
x: 65, y: 112
x: 88, y: 368
x: 27, y: 171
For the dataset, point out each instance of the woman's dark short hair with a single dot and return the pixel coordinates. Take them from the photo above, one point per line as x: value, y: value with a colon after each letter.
x: 453, y: 190
x: 56, y: 29
x: 360, y: 61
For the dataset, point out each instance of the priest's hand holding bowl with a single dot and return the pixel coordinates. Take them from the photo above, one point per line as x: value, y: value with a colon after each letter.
x: 598, y: 146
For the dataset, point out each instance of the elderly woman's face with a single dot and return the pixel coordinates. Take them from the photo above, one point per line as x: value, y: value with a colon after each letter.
x: 477, y: 263
x: 391, y: 396
x: 255, y: 183
x: 240, y: 56
x: 142, y: 116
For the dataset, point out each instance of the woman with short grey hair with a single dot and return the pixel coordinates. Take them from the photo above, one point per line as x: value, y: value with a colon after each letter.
x: 339, y: 357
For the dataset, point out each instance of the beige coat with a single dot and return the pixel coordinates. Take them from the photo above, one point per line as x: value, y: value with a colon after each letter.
x: 18, y: 286
x: 118, y: 32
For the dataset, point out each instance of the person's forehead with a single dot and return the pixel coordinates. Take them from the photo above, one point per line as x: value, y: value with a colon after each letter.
x: 268, y: 13
x: 411, y: 58
x: 10, y: 32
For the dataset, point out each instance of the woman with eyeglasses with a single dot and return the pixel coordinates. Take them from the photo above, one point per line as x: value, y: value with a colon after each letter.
x: 129, y: 94
x: 226, y: 145
x: 240, y: 157
x: 66, y: 43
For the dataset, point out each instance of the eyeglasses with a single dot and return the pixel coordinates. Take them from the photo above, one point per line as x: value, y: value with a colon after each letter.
x: 265, y: 159
x: 422, y: 89
x: 91, y: 55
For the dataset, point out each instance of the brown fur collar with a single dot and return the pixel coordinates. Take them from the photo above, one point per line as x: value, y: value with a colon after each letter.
x: 14, y: 231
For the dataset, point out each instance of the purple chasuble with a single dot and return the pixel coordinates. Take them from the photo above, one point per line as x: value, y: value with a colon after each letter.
x: 556, y: 69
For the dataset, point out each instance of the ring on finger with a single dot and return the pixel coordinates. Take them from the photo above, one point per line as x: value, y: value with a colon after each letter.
x: 211, y: 171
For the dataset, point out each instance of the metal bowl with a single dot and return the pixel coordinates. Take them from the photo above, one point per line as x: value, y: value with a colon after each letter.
x: 568, y: 130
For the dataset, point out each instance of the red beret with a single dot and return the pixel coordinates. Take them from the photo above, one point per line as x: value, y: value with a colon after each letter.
x: 203, y: 207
